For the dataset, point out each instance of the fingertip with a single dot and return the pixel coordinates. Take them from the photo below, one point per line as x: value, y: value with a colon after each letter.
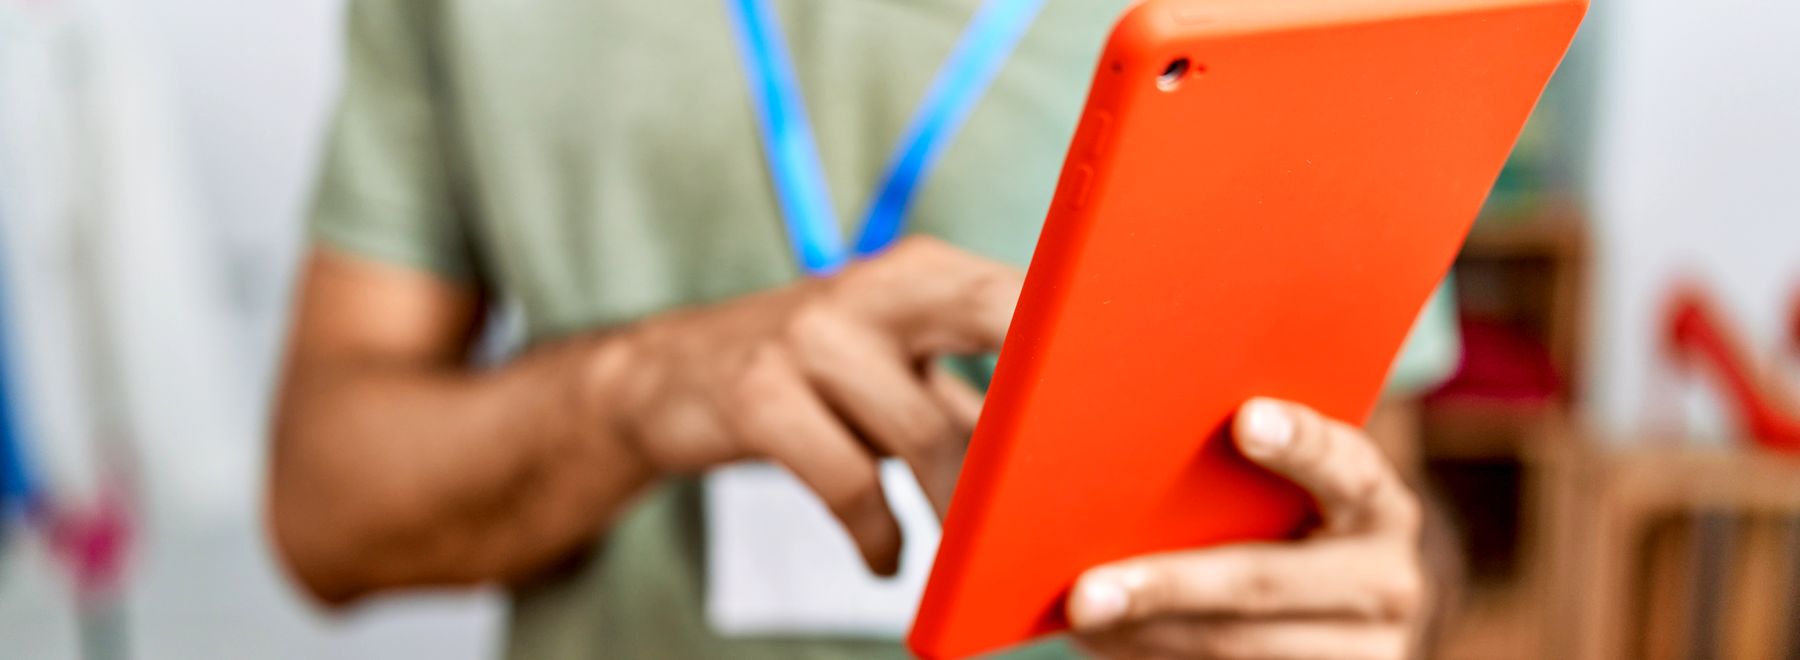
x: 878, y: 538
x: 1097, y: 605
x: 883, y: 562
x: 1101, y: 598
x: 883, y: 553
x: 1265, y: 428
x: 884, y: 566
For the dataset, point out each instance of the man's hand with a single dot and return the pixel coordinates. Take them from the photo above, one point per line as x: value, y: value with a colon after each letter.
x: 396, y: 464
x: 823, y: 377
x: 1355, y: 588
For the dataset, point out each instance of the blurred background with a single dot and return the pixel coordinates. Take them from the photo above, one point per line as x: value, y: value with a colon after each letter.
x: 1621, y: 442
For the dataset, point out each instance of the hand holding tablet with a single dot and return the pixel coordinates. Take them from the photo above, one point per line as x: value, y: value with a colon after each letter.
x: 1260, y: 197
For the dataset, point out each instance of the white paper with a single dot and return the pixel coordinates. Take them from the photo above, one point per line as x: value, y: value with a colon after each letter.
x: 778, y: 563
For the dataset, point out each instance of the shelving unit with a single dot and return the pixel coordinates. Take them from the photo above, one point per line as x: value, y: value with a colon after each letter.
x: 1491, y: 438
x: 1672, y: 552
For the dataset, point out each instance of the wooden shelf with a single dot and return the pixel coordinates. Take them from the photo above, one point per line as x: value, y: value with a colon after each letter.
x: 1485, y: 430
x: 1495, y: 624
x: 1500, y: 460
x: 1610, y: 595
x: 1554, y: 230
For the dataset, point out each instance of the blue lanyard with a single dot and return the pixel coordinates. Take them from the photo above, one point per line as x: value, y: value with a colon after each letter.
x: 793, y: 154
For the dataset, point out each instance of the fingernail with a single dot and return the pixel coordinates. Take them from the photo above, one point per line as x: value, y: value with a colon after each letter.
x: 1267, y: 429
x: 1099, y: 601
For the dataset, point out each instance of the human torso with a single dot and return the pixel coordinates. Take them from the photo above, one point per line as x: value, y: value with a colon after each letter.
x: 610, y: 161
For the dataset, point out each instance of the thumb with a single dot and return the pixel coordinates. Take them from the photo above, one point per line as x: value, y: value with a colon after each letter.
x: 1355, y: 486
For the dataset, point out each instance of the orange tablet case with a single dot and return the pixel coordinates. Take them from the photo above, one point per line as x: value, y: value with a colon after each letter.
x: 1270, y: 226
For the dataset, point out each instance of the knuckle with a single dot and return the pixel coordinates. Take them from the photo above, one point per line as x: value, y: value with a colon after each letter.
x: 808, y: 324
x: 758, y: 387
x: 1313, y: 446
x: 876, y: 275
x: 991, y: 288
x: 1312, y: 454
x: 912, y: 445
x: 1408, y: 512
x: 1363, y: 482
x: 923, y: 433
x: 1400, y: 598
x: 850, y: 280
x: 1309, y: 421
x: 1257, y: 590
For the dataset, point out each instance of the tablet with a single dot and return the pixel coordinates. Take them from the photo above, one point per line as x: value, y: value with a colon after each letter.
x: 1260, y: 197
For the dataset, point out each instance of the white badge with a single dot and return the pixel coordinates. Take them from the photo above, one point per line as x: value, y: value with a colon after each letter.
x: 778, y: 563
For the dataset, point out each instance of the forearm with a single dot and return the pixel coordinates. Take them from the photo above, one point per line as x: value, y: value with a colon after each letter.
x: 390, y: 475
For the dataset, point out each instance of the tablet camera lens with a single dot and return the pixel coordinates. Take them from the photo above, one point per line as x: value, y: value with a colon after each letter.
x: 1173, y: 74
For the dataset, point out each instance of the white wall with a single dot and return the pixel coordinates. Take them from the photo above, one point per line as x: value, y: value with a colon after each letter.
x: 1696, y: 172
x: 254, y: 82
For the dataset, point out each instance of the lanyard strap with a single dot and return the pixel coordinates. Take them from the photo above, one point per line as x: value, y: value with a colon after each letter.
x: 793, y: 154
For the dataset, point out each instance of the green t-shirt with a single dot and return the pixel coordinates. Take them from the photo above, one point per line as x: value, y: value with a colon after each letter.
x: 596, y: 161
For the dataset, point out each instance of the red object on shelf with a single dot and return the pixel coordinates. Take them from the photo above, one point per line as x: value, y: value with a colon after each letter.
x: 1697, y: 335
x: 1499, y: 365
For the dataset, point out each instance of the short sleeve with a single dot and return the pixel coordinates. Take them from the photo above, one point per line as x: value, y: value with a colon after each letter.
x: 385, y: 188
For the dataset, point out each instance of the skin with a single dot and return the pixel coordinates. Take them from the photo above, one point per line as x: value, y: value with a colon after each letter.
x: 1353, y: 588
x: 397, y: 465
